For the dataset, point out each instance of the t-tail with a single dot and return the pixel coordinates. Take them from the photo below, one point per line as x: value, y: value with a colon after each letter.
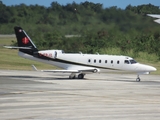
x: 25, y: 43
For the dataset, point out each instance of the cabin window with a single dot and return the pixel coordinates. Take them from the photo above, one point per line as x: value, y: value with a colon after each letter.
x: 126, y: 62
x: 105, y: 61
x: 111, y: 61
x: 89, y: 60
x: 99, y: 61
x: 118, y: 62
x: 94, y: 61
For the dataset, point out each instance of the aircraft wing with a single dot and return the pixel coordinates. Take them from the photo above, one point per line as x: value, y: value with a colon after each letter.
x: 155, y: 16
x: 94, y: 70
x: 61, y: 71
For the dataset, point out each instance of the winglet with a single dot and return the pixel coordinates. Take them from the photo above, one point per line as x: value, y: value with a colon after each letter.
x: 34, y: 68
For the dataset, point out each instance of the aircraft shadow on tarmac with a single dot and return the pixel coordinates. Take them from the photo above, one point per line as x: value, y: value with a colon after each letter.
x: 39, y: 78
x: 124, y: 79
x: 66, y: 78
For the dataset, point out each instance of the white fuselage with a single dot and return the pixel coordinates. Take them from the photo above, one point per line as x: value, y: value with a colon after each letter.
x: 78, y: 61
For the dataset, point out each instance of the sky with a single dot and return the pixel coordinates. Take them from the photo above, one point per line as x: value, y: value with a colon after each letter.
x: 106, y: 3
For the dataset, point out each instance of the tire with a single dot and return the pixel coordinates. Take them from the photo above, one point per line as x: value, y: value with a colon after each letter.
x: 80, y: 76
x: 138, y: 79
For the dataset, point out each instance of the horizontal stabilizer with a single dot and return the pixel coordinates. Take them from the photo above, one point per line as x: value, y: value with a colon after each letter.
x: 14, y: 47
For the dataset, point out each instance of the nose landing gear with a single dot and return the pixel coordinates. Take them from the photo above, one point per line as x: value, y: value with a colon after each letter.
x: 138, y: 78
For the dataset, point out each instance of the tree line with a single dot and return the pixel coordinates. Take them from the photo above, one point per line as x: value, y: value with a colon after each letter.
x: 98, y: 27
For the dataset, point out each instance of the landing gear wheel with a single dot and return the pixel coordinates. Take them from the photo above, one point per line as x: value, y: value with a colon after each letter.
x: 138, y: 79
x: 72, y: 77
x: 80, y: 76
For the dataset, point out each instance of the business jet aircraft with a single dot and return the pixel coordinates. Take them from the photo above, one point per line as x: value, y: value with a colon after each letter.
x: 77, y: 64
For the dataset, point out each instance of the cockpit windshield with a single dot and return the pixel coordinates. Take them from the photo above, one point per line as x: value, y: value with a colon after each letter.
x: 132, y: 61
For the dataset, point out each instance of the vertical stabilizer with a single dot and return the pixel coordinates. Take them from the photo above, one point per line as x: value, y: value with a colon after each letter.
x: 24, y: 41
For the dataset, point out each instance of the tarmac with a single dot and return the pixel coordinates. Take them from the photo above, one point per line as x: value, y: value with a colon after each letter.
x: 31, y: 95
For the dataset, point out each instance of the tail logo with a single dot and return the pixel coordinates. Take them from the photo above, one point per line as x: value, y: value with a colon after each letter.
x: 20, y: 30
x: 25, y: 40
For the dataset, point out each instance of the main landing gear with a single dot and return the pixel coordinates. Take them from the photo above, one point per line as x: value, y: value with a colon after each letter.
x: 79, y: 76
x: 138, y: 78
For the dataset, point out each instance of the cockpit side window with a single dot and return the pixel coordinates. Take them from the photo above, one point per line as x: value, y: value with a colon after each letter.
x: 126, y: 62
x: 132, y: 61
